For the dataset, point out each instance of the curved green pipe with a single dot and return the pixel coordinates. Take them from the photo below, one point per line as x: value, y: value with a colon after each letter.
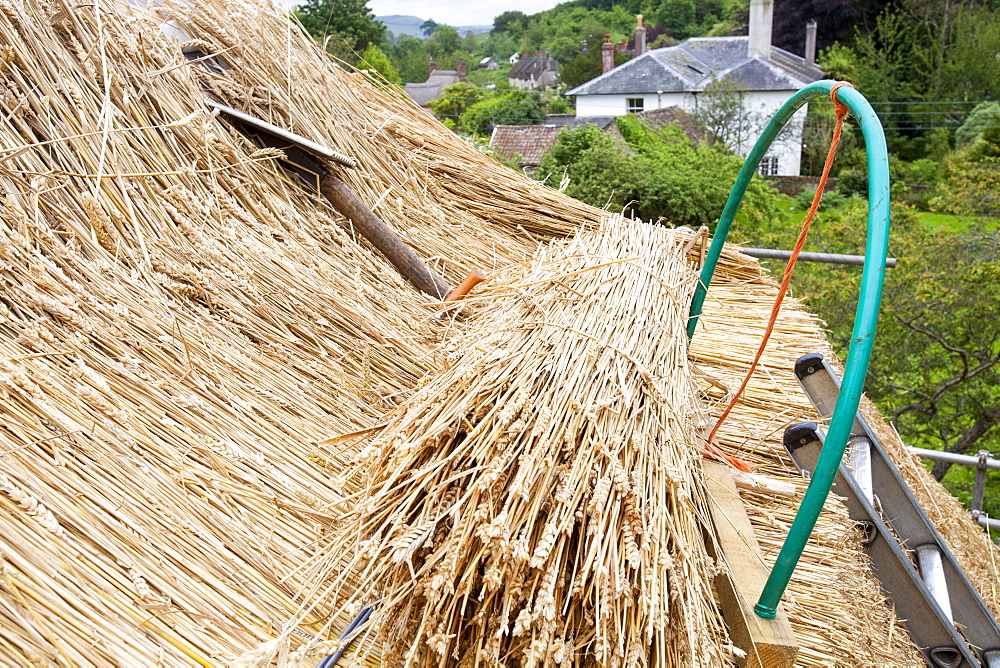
x: 860, y: 350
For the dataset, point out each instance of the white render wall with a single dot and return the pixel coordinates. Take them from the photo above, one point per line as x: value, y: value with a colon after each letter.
x: 759, y: 105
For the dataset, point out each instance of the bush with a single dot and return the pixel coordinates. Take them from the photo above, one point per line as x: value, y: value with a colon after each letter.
x: 653, y: 173
x: 510, y: 108
x: 971, y: 189
x: 982, y: 117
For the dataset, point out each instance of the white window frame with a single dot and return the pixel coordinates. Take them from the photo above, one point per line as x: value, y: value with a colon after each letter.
x: 634, y: 105
x: 768, y: 166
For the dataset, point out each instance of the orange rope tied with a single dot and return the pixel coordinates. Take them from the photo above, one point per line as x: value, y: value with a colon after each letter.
x: 841, y: 111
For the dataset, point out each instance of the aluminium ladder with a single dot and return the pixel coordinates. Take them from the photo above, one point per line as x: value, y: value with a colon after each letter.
x: 943, y: 612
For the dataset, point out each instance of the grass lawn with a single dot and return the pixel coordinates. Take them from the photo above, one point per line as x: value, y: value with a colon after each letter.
x: 956, y: 224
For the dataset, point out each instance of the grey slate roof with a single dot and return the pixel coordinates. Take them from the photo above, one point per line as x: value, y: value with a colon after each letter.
x: 695, y: 63
x: 532, y: 67
x: 428, y: 91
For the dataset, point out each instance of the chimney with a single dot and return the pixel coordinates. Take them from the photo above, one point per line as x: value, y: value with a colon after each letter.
x: 761, y: 12
x: 460, y: 70
x: 524, y: 54
x: 640, y: 36
x: 432, y: 66
x: 621, y: 46
x: 607, y: 55
x: 811, y: 42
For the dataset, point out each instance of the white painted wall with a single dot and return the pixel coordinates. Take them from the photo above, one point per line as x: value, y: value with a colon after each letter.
x: 759, y: 105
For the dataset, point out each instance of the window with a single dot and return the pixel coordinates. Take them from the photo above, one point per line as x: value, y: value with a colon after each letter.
x: 633, y: 105
x: 768, y: 166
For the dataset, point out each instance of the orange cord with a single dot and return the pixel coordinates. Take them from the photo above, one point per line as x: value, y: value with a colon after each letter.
x: 841, y: 111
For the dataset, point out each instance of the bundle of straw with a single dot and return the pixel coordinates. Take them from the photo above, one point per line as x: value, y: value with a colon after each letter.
x: 537, y: 503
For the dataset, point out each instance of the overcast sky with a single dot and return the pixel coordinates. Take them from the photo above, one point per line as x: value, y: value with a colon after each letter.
x: 458, y: 12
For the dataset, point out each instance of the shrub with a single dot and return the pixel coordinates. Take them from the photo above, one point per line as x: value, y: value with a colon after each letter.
x: 653, y: 173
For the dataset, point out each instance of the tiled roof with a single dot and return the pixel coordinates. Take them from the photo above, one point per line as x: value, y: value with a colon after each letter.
x: 695, y: 63
x: 530, y: 142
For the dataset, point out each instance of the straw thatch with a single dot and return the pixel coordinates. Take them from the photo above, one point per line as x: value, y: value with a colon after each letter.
x: 182, y: 323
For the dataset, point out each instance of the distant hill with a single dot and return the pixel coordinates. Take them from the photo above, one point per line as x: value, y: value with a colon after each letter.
x: 399, y: 24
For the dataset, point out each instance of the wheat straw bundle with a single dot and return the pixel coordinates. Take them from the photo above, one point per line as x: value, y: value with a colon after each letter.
x: 537, y: 503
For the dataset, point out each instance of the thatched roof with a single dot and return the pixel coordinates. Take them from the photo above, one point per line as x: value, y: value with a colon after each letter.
x: 184, y: 325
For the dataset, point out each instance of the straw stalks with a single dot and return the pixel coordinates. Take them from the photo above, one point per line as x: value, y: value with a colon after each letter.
x: 537, y: 503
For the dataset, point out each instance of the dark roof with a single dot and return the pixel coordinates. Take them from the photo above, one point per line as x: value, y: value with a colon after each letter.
x: 695, y: 63
x: 428, y: 91
x: 532, y: 67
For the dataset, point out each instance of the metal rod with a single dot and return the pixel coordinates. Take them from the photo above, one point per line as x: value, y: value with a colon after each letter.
x: 932, y: 571
x: 828, y: 258
x: 980, y: 518
x: 952, y: 458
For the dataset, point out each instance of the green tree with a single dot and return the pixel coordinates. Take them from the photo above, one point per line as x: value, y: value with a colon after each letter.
x: 983, y: 117
x: 428, y: 27
x: 677, y: 16
x: 510, y: 19
x: 374, y: 58
x: 443, y: 42
x: 511, y: 107
x: 409, y: 57
x: 343, y: 26
x: 935, y: 368
x: 456, y: 98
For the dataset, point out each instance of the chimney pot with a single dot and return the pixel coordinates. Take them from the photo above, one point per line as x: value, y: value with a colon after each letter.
x: 461, y: 70
x: 761, y: 14
x: 432, y: 66
x: 810, y: 54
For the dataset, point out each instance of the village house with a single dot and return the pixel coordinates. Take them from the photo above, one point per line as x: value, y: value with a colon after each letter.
x: 534, y: 72
x: 760, y: 76
x: 428, y: 91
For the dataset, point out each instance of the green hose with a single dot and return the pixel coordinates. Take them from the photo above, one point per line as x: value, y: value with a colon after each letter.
x: 859, y: 353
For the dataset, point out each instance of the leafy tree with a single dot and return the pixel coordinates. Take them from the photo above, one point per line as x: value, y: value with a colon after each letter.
x: 374, y: 58
x: 510, y: 19
x: 677, y: 16
x: 456, y: 98
x: 428, y: 27
x: 443, y: 42
x: 721, y: 111
x: 511, y: 107
x: 344, y: 26
x: 935, y: 368
x: 837, y: 21
x: 410, y: 58
x: 983, y: 117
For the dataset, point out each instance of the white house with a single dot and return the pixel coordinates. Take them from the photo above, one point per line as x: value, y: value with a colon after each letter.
x: 760, y: 76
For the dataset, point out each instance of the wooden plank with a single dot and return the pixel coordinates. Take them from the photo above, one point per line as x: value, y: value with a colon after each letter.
x: 768, y: 643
